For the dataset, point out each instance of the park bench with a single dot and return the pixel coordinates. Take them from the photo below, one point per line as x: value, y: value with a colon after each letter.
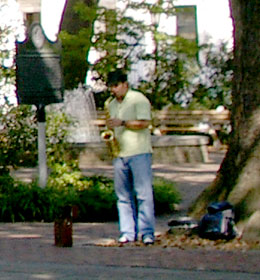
x: 208, y: 122
x: 177, y: 136
x: 166, y: 122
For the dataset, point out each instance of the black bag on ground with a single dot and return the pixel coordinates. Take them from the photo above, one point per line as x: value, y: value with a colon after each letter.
x: 218, y: 223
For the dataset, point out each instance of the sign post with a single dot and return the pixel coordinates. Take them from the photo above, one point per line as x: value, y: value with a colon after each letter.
x: 42, y: 158
x: 39, y: 82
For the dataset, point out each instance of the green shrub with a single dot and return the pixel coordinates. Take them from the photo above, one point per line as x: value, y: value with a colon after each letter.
x: 165, y: 196
x: 97, y: 203
x: 94, y: 197
x: 23, y: 202
x: 18, y: 136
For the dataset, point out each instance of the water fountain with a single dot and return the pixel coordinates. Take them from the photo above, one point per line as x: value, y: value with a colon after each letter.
x: 84, y: 134
x: 79, y: 104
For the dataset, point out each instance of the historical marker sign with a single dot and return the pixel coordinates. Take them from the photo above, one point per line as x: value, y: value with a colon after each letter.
x: 39, y: 77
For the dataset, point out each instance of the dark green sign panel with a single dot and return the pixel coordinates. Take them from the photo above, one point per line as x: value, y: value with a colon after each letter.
x: 39, y: 78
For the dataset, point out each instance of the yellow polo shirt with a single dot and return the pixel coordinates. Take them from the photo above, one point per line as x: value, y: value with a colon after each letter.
x: 135, y: 106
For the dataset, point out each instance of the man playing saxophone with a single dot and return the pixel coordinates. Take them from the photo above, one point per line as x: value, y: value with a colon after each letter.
x: 130, y: 117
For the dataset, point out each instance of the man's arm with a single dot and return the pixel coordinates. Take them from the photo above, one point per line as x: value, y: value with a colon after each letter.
x: 130, y: 124
x: 137, y: 124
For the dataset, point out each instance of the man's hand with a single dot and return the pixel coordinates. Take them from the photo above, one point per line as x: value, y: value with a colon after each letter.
x: 112, y: 123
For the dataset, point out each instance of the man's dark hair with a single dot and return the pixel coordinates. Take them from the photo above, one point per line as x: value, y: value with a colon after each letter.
x: 116, y: 77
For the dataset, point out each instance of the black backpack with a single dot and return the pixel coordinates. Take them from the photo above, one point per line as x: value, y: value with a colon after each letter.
x: 218, y: 223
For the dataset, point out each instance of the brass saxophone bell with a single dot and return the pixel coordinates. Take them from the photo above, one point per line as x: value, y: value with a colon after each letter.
x: 107, y: 135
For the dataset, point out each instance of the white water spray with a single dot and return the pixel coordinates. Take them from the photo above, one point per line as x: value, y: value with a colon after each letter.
x: 80, y: 105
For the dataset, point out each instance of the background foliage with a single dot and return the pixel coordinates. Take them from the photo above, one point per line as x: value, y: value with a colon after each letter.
x: 67, y: 186
x: 94, y: 197
x: 76, y: 41
x: 181, y: 72
x: 18, y: 137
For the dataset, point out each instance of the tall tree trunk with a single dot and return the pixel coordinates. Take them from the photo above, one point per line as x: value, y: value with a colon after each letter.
x: 238, y: 179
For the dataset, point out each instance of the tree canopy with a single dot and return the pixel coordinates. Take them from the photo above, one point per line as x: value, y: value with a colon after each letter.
x: 173, y: 73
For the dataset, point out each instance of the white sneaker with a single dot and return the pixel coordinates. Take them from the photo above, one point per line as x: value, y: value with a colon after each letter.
x: 123, y: 239
x: 148, y: 240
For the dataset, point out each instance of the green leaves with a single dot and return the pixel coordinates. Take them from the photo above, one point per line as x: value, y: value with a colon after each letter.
x: 93, y: 196
x: 166, y: 196
x: 18, y: 138
x: 22, y: 202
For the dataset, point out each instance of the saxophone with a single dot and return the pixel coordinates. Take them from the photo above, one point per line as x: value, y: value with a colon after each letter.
x: 108, y: 135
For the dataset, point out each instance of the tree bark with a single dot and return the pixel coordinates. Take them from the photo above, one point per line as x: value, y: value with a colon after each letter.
x: 238, y: 179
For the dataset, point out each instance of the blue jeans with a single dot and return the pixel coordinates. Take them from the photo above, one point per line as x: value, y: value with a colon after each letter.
x: 133, y: 183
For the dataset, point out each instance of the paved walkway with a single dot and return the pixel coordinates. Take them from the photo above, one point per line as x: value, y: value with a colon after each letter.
x: 28, y: 251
